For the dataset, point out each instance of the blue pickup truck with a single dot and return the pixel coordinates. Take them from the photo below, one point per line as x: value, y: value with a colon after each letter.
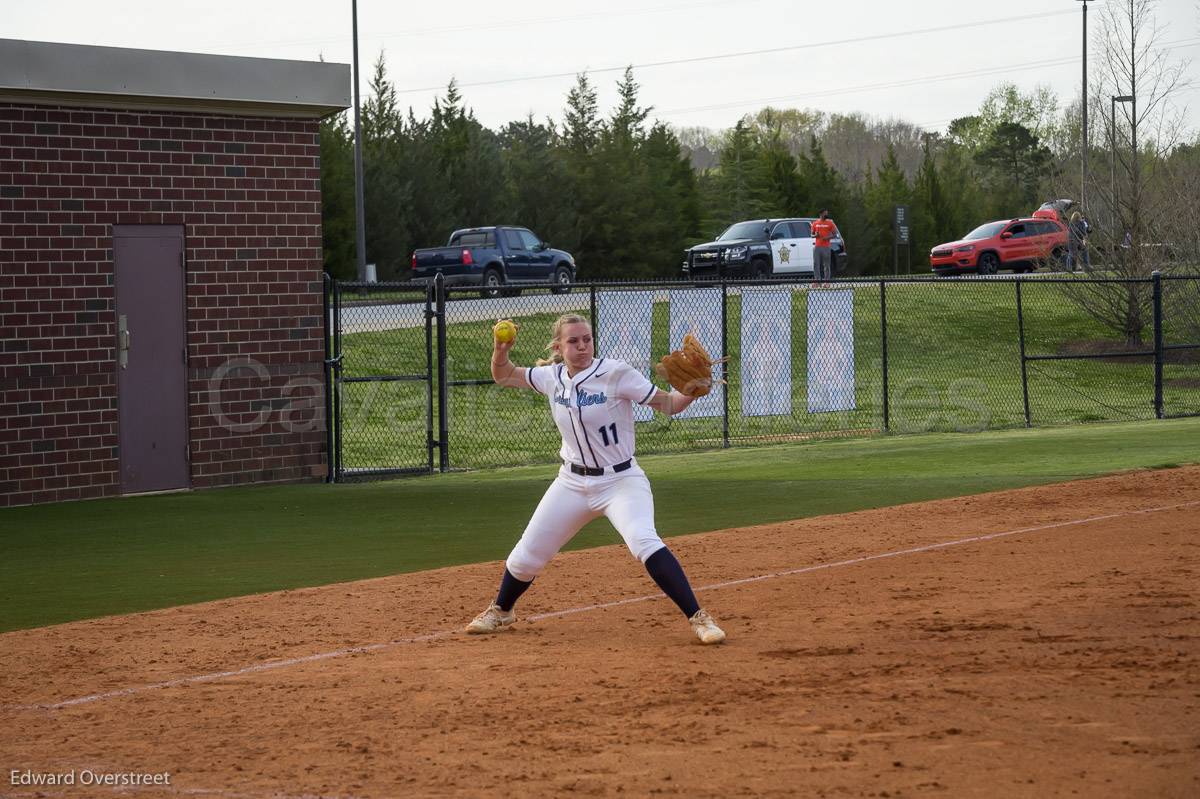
x: 498, y: 259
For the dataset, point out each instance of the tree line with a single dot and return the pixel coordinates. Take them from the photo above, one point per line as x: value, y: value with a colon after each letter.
x: 615, y: 190
x: 626, y: 195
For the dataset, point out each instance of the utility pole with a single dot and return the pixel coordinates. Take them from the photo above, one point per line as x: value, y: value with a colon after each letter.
x: 1123, y: 98
x: 1083, y: 102
x: 1135, y: 183
x: 360, y: 231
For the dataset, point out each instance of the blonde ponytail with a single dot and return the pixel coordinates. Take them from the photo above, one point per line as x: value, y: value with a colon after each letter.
x: 556, y: 334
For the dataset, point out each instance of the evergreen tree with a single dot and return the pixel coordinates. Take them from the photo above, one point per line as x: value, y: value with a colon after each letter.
x: 620, y: 208
x: 337, y: 198
x: 855, y: 228
x: 888, y: 189
x: 581, y: 128
x: 429, y: 215
x: 468, y: 156
x: 673, y: 200
x: 535, y: 173
x: 1017, y: 164
x: 736, y: 189
x: 930, y: 213
x: 965, y: 196
x: 783, y: 189
x: 627, y: 126
x: 823, y: 187
x: 385, y: 180
x: 581, y: 132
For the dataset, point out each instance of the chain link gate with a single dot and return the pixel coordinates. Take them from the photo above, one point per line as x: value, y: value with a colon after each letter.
x: 382, y: 379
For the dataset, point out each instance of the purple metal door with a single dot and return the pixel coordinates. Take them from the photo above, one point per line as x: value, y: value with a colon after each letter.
x: 151, y: 357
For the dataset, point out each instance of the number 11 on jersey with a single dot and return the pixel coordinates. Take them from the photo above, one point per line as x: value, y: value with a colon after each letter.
x: 604, y: 431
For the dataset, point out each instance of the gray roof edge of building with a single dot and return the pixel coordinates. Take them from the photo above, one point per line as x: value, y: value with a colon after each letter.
x: 91, y: 70
x: 147, y: 51
x: 126, y: 103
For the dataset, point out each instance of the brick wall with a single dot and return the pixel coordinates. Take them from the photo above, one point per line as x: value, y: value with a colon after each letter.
x: 247, y: 192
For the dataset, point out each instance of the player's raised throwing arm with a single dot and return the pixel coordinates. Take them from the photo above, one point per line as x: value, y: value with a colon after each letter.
x: 504, y: 371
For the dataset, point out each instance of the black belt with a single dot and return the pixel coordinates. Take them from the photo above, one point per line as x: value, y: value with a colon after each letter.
x: 592, y: 471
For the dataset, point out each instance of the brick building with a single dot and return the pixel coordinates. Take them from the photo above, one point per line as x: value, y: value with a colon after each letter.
x: 160, y: 270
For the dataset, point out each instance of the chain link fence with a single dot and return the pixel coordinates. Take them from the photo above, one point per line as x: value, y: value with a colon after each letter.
x: 412, y: 386
x: 382, y: 368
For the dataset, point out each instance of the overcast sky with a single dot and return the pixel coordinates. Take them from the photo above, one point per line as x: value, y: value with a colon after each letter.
x: 926, y: 62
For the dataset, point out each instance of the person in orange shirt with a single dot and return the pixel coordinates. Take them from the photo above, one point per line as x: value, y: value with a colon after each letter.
x: 823, y: 231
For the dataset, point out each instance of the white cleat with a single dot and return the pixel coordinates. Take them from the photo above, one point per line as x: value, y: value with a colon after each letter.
x: 494, y: 619
x: 706, y: 629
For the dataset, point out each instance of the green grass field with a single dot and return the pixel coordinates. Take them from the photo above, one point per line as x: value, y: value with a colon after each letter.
x: 953, y: 357
x: 85, y: 559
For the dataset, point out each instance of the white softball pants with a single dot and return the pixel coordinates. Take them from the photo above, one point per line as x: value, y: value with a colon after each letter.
x: 574, y: 500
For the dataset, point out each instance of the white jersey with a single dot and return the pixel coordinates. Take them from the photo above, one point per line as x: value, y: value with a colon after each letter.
x: 593, y: 410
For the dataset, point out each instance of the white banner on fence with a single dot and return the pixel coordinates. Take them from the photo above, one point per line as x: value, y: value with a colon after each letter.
x: 698, y: 311
x: 625, y: 320
x: 830, y: 350
x: 766, y: 352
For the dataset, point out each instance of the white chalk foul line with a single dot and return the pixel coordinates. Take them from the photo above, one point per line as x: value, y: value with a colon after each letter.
x: 275, y: 664
x: 280, y: 664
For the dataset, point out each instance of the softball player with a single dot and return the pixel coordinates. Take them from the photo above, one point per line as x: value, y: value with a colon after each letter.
x: 592, y: 403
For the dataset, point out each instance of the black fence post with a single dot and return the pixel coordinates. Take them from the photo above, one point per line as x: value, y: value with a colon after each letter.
x: 884, y: 353
x: 430, y: 442
x: 337, y: 379
x: 1156, y: 277
x: 439, y: 286
x: 327, y: 372
x: 1024, y: 361
x: 595, y: 325
x: 725, y: 363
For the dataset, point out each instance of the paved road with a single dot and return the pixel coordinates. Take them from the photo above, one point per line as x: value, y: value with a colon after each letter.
x: 364, y: 318
x: 398, y: 316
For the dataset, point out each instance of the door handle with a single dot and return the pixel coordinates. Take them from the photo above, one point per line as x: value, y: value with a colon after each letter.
x: 124, y: 341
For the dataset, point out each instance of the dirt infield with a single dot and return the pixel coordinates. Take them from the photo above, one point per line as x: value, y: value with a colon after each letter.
x: 1029, y: 643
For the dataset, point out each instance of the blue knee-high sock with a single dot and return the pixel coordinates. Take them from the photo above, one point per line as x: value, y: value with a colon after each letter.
x: 669, y: 576
x: 510, y: 590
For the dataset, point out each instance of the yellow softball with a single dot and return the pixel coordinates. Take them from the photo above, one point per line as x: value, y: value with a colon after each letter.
x: 504, y: 331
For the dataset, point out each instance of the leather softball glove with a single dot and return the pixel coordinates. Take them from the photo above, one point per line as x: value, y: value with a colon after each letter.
x: 688, y: 369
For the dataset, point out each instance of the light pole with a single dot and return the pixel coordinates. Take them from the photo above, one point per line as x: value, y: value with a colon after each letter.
x: 1083, y: 103
x: 1112, y: 141
x: 360, y: 231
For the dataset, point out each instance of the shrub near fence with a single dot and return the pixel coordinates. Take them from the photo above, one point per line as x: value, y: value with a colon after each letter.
x: 412, y: 386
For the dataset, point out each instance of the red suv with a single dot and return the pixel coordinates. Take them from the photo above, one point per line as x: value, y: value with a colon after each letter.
x: 1017, y: 244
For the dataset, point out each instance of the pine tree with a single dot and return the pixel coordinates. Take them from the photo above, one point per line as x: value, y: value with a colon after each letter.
x: 337, y: 198
x: 823, y: 187
x: 535, y: 172
x: 468, y: 156
x: 674, y: 221
x: 889, y: 189
x: 620, y: 210
x: 581, y: 125
x: 783, y: 188
x: 736, y: 189
x: 627, y: 124
x: 965, y: 196
x: 1017, y: 165
x: 581, y: 132
x: 385, y: 182
x: 931, y: 217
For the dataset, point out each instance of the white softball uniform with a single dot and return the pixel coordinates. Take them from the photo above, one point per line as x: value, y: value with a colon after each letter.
x: 594, y: 414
